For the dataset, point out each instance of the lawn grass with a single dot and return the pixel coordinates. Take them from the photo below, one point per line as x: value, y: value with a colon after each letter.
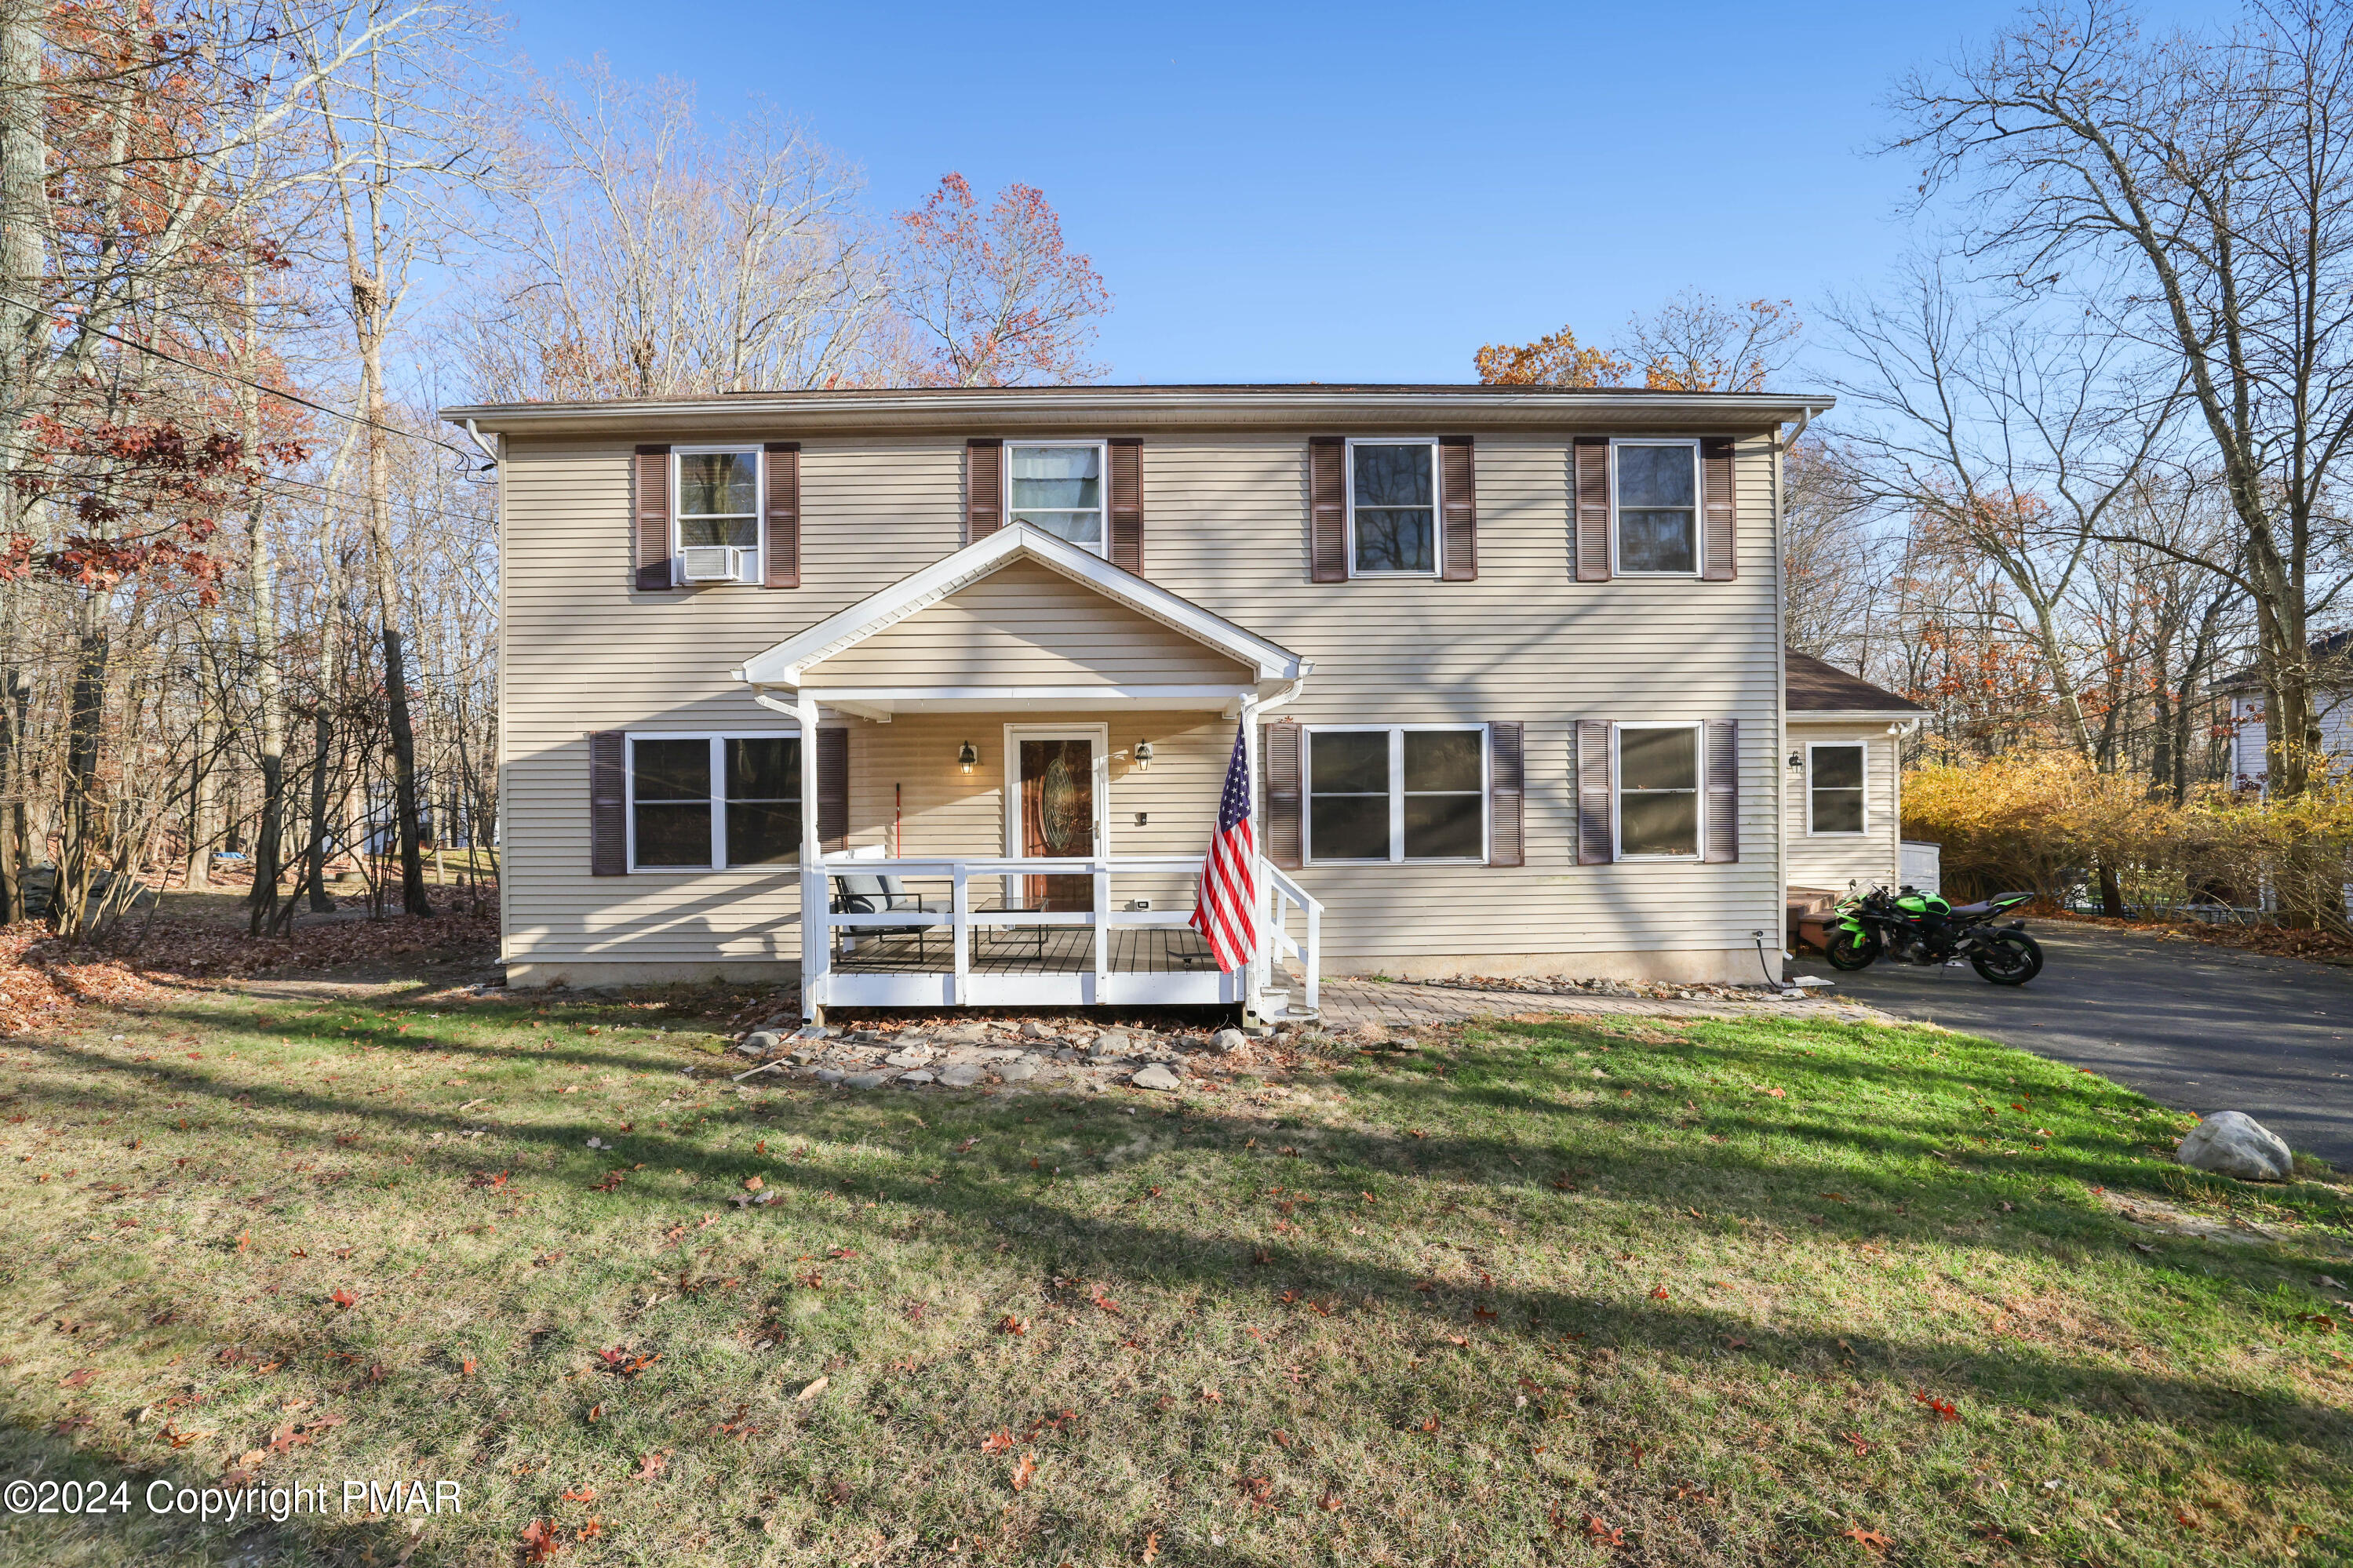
x: 1748, y: 1291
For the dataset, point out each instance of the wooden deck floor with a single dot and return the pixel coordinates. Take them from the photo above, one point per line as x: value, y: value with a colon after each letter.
x: 1066, y: 950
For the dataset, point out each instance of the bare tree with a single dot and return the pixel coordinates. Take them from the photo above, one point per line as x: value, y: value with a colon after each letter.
x: 657, y: 260
x: 2202, y: 184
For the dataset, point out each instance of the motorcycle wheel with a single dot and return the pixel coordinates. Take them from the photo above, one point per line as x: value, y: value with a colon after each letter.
x: 1847, y: 951
x: 2009, y: 958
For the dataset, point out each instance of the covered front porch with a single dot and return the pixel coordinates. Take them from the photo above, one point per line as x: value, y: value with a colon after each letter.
x: 1032, y: 748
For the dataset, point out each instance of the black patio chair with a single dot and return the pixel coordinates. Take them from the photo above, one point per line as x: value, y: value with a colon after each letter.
x: 860, y: 895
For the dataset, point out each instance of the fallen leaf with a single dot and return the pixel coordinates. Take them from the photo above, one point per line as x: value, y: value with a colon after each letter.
x: 586, y: 1494
x: 1659, y: 1293
x: 651, y: 1464
x: 813, y: 1390
x: 80, y: 1377
x: 343, y: 1299
x: 540, y: 1542
x: 1023, y: 1471
x: 1871, y: 1540
x: 996, y: 1442
x: 752, y: 1183
x: 1150, y: 1545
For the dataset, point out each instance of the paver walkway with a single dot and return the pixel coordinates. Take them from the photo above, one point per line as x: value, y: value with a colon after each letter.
x: 1352, y: 1004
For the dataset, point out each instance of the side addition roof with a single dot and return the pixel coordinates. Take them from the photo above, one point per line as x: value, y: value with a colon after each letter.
x: 1817, y: 690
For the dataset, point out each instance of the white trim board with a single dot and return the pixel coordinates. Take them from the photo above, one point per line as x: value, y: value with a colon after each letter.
x: 787, y: 662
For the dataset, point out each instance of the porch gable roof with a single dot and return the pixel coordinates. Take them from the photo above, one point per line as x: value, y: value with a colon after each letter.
x: 789, y: 663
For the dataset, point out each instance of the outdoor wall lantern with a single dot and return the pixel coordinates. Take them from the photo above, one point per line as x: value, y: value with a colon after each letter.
x: 1794, y: 761
x: 1143, y: 756
x: 968, y: 758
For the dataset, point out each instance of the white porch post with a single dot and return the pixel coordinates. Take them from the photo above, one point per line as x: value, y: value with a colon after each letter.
x: 816, y: 938
x: 1255, y: 973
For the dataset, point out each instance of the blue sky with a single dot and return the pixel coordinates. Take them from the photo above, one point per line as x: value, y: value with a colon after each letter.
x: 1349, y: 193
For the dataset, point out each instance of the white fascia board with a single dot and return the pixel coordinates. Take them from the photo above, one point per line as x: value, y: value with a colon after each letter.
x: 787, y: 663
x: 1853, y: 715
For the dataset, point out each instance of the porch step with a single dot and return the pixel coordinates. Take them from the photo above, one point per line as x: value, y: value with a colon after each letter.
x: 1275, y: 1005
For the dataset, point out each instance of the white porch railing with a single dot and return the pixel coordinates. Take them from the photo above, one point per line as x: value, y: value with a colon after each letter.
x: 1097, y: 982
x: 1280, y: 897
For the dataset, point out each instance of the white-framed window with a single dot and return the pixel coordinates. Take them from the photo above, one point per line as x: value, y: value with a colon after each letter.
x: 718, y: 501
x: 1835, y: 771
x: 1396, y: 793
x: 1393, y: 504
x: 1659, y: 804
x: 1057, y: 487
x: 1654, y: 490
x: 707, y: 803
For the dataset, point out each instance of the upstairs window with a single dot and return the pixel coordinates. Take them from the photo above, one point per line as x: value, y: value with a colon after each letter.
x: 1406, y: 791
x: 1658, y: 792
x: 1393, y: 509
x: 1058, y: 488
x: 1656, y: 494
x: 719, y: 501
x: 705, y: 801
x: 1834, y: 802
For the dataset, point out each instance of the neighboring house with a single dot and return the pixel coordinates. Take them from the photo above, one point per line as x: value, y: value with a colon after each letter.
x: 1507, y: 661
x: 2332, y: 664
x: 1845, y: 761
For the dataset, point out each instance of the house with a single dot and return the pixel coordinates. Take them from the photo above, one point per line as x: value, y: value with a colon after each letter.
x: 1845, y: 808
x: 2332, y: 668
x: 1504, y: 666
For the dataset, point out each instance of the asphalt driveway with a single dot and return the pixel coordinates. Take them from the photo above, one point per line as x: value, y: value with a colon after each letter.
x: 2204, y: 1028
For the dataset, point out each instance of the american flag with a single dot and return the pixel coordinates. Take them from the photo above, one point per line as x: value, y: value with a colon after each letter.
x: 1223, y: 912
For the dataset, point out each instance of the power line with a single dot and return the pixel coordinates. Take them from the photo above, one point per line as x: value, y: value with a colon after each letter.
x: 258, y: 386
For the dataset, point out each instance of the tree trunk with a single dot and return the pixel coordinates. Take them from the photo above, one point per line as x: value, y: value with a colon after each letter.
x: 78, y: 855
x: 204, y: 809
x: 15, y: 699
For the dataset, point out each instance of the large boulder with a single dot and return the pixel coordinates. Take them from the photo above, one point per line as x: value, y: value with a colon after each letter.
x: 2233, y: 1143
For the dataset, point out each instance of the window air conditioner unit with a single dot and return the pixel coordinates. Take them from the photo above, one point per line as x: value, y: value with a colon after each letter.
x: 714, y: 564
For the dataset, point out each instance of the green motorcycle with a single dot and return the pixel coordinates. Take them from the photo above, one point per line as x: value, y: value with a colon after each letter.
x: 1912, y: 927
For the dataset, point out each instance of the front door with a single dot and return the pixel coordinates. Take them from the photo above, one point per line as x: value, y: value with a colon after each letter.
x: 1057, y: 815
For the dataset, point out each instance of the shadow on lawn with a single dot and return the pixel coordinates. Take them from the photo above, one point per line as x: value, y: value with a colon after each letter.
x: 992, y: 1199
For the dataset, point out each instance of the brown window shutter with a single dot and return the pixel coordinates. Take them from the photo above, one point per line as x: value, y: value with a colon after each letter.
x: 1592, y: 509
x: 784, y: 552
x: 1507, y: 838
x: 653, y: 519
x: 1716, y: 507
x: 1723, y: 790
x: 1281, y: 754
x: 983, y: 487
x: 608, y: 833
x: 833, y: 791
x: 1596, y: 834
x: 1327, y: 509
x: 1127, y: 504
x: 1458, y: 494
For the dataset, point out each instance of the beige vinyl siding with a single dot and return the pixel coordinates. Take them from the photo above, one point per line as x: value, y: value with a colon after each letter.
x: 1029, y: 624
x: 1226, y: 519
x: 1828, y: 861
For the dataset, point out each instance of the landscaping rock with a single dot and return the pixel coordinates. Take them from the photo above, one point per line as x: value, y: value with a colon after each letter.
x: 758, y: 1043
x: 918, y: 1076
x: 1112, y: 1043
x: 963, y: 1075
x: 868, y: 1080
x: 1225, y: 1042
x: 830, y: 1075
x: 908, y: 1058
x: 2233, y: 1143
x: 966, y: 1034
x: 1018, y: 1071
x: 1155, y: 1077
